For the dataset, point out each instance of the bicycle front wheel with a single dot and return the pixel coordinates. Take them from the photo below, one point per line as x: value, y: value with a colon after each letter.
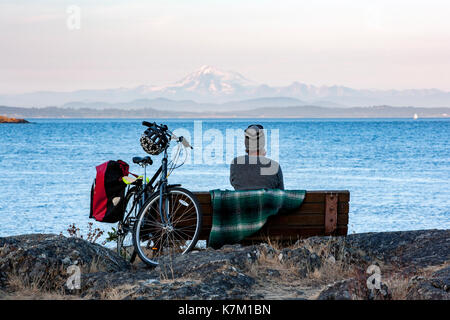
x: 173, y: 228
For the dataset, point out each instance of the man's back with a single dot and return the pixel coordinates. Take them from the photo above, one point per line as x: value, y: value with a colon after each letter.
x: 255, y: 172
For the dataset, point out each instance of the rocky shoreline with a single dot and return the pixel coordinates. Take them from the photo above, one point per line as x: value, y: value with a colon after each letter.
x: 12, y: 120
x: 370, y: 266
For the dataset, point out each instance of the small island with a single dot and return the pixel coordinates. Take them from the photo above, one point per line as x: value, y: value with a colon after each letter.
x: 12, y: 120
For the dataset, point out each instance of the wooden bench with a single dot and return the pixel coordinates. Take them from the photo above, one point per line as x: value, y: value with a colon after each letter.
x: 321, y: 213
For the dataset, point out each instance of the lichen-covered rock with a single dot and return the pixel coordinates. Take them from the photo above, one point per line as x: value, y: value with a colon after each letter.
x: 437, y: 287
x: 342, y: 290
x: 218, y: 274
x: 335, y: 249
x: 419, y: 248
x: 227, y: 283
x: 236, y: 271
x: 43, y: 259
x: 355, y: 289
x: 412, y: 249
x: 3, y: 279
x: 198, y: 264
x: 304, y: 260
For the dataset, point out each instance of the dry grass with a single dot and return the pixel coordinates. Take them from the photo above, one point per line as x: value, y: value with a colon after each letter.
x: 429, y: 270
x: 398, y: 285
x: 271, y: 261
x: 331, y: 270
x: 289, y: 283
x: 398, y: 282
x: 166, y: 270
x: 93, y: 267
x: 20, y: 288
x: 123, y: 291
x: 181, y: 279
x: 278, y: 244
x: 33, y: 295
x: 117, y: 293
x: 45, y: 283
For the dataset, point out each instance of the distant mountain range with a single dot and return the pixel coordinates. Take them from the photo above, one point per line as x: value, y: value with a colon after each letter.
x: 210, y: 87
x: 266, y: 112
x: 189, y: 105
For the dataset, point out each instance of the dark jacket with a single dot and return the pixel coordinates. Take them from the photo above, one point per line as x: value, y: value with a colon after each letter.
x: 255, y: 172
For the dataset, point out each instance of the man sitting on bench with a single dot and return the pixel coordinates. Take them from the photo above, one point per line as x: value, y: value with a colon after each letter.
x: 254, y: 170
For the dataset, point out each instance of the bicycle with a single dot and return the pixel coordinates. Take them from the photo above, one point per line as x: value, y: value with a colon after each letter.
x: 159, y: 218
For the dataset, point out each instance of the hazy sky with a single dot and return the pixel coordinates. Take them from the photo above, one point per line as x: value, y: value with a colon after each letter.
x: 362, y: 44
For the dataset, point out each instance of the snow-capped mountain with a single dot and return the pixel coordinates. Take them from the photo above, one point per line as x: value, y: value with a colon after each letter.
x: 210, y: 85
x: 213, y: 81
x: 205, y: 83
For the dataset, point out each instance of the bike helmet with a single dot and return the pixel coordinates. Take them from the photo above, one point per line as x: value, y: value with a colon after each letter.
x: 154, y: 141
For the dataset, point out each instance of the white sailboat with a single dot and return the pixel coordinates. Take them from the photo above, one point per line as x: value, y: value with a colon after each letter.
x: 415, y: 117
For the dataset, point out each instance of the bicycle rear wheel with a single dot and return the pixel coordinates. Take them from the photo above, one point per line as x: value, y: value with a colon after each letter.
x: 154, y: 238
x: 125, y: 246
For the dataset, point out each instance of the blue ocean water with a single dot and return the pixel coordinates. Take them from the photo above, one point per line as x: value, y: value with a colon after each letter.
x: 397, y: 170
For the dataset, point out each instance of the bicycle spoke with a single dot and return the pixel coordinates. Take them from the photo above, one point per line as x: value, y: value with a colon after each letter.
x: 183, y: 232
x: 193, y: 218
x: 152, y: 224
x: 188, y: 229
x: 178, y: 232
x: 178, y: 205
x: 184, y: 213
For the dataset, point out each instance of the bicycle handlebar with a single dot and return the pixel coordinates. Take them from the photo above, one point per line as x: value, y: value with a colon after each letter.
x: 169, y: 133
x: 183, y: 141
x: 162, y: 127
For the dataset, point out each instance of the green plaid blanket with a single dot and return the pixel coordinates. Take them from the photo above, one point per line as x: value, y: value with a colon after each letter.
x: 238, y: 214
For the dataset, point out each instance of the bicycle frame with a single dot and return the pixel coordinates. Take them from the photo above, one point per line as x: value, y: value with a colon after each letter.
x: 162, y: 188
x: 148, y: 189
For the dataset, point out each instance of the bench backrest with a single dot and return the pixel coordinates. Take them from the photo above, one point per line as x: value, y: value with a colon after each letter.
x: 322, y: 213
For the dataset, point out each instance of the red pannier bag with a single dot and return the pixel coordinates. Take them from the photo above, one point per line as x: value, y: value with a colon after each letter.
x: 108, y: 191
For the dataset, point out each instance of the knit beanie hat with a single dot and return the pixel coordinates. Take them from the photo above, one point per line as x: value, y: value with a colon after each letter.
x: 254, y: 138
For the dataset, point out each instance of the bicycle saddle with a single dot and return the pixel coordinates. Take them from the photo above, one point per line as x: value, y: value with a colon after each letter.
x: 141, y: 161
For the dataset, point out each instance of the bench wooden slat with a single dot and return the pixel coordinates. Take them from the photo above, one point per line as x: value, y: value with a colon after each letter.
x: 291, y: 220
x: 286, y: 233
x: 306, y: 208
x: 311, y: 196
x: 293, y: 233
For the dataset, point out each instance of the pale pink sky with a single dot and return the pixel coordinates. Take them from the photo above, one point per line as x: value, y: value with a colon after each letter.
x: 361, y: 44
